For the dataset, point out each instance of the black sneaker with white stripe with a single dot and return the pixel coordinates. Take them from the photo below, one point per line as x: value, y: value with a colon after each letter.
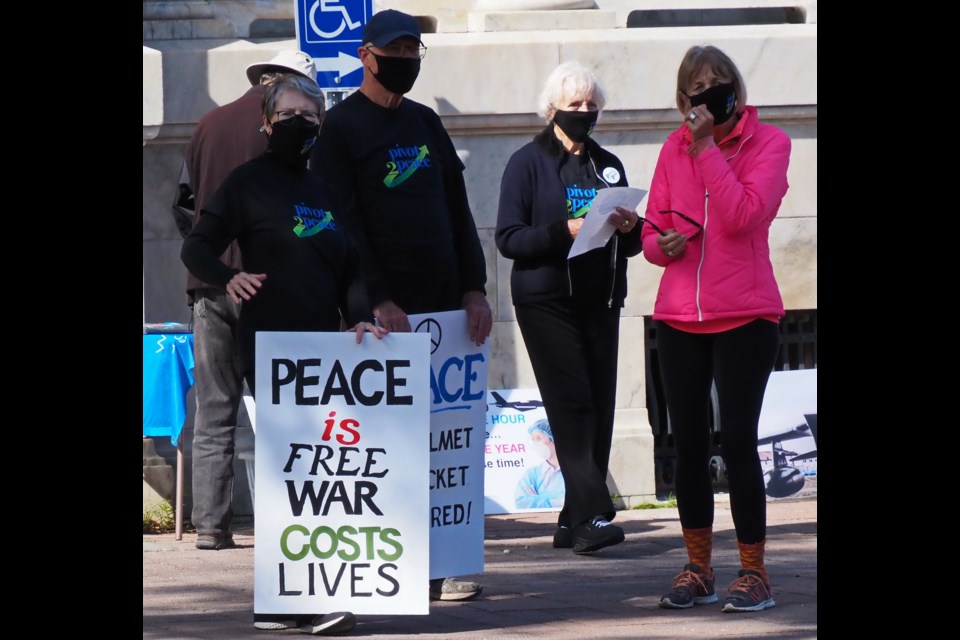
x: 326, y: 624
x: 596, y: 534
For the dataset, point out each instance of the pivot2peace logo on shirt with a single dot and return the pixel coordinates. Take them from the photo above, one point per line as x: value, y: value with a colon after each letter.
x: 310, y: 221
x: 579, y: 201
x: 404, y: 162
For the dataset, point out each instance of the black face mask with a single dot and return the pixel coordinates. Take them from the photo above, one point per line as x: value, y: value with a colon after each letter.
x: 576, y: 124
x: 293, y: 138
x: 721, y: 101
x: 397, y: 75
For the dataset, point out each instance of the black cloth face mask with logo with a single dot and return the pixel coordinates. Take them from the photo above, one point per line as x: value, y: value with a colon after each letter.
x: 293, y: 138
x: 578, y: 125
x: 397, y: 74
x: 720, y: 99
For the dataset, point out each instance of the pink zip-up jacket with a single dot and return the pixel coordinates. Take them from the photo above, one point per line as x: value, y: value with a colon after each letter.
x: 734, y: 190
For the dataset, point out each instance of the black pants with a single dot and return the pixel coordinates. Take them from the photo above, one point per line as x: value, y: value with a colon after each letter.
x: 740, y: 361
x: 574, y: 356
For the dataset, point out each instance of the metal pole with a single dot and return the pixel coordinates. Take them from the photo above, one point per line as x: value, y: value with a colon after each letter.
x: 179, y: 497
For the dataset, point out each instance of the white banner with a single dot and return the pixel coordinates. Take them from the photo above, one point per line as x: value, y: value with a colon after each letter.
x: 342, y: 451
x: 458, y: 392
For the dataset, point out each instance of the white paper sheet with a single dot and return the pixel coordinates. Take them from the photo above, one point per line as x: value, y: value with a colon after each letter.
x: 595, y: 230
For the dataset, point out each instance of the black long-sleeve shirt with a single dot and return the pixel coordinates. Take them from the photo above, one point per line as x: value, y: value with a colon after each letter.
x: 282, y: 220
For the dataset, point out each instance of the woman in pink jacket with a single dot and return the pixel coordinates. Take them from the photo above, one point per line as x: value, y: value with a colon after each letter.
x: 716, y: 189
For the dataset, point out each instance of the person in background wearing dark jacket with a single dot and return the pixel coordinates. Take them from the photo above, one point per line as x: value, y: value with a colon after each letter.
x: 225, y: 138
x: 717, y: 187
x: 299, y: 270
x: 396, y: 171
x: 568, y: 311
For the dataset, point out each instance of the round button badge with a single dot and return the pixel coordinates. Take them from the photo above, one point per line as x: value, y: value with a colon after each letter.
x: 611, y: 175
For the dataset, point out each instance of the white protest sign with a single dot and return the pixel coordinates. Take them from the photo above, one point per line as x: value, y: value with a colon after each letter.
x: 518, y: 479
x: 458, y: 393
x: 341, y: 462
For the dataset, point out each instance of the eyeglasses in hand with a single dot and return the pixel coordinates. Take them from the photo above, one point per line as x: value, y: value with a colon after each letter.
x: 684, y: 216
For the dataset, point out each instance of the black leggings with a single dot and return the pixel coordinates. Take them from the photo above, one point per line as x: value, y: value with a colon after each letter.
x: 740, y: 361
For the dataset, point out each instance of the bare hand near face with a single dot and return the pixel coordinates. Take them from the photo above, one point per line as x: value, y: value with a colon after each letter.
x: 700, y: 122
x: 243, y: 285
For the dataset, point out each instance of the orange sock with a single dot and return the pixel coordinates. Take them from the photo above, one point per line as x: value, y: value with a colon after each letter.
x: 699, y: 543
x: 751, y: 557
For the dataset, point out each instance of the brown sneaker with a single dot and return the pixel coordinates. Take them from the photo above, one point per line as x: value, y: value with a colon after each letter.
x: 749, y: 592
x: 691, y: 586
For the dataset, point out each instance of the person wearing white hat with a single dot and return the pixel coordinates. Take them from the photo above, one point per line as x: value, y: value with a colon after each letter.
x: 224, y: 139
x: 286, y: 61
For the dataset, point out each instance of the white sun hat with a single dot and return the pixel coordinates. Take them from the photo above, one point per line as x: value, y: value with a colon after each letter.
x: 287, y: 61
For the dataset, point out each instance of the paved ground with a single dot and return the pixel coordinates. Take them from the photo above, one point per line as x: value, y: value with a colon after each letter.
x: 531, y: 589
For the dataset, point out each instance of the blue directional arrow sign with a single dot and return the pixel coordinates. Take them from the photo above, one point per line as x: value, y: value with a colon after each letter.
x: 330, y: 31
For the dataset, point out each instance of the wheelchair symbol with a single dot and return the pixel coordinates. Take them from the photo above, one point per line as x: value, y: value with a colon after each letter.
x: 330, y: 6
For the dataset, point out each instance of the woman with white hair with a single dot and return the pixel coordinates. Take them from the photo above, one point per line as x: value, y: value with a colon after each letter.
x: 568, y: 311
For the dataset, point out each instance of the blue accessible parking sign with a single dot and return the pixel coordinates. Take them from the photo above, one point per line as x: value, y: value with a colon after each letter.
x: 331, y: 31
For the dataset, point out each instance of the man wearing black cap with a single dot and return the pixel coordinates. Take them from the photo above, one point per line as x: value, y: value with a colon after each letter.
x: 403, y: 197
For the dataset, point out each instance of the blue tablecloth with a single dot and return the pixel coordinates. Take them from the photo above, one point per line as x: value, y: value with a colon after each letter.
x: 167, y: 377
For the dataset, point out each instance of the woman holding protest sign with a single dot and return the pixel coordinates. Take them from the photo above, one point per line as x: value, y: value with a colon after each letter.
x: 299, y: 272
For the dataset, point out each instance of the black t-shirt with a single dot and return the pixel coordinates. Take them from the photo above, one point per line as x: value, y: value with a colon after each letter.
x: 400, y: 181
x: 580, y: 182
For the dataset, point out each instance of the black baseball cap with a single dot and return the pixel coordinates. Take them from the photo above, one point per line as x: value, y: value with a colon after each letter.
x: 386, y: 26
